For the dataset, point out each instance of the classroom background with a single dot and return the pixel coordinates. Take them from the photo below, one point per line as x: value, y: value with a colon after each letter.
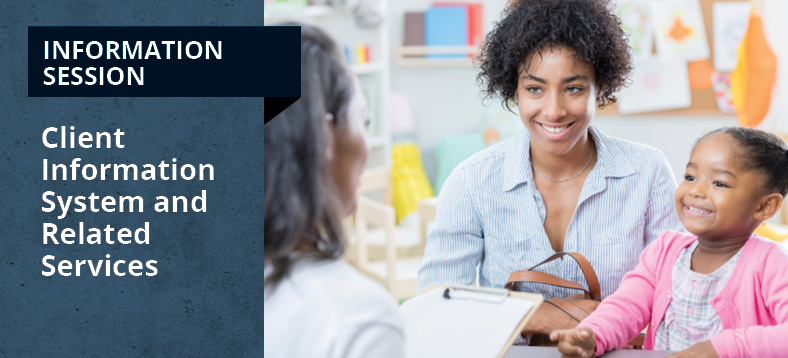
x: 414, y: 59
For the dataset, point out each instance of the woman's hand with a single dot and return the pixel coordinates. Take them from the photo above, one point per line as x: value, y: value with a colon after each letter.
x: 580, y: 342
x: 549, y: 318
x: 698, y: 350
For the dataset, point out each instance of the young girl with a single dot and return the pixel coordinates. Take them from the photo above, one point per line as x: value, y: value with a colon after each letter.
x: 717, y: 292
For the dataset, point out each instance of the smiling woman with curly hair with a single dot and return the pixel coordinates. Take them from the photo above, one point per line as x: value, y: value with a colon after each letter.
x: 589, y: 29
x: 561, y: 184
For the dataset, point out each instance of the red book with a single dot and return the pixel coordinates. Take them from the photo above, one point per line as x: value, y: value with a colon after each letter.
x: 475, y: 20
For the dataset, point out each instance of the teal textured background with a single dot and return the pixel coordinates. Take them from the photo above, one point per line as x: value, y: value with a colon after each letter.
x: 206, y: 300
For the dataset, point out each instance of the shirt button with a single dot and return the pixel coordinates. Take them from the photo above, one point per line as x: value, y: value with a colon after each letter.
x: 691, y: 311
x: 539, y: 204
x: 694, y: 284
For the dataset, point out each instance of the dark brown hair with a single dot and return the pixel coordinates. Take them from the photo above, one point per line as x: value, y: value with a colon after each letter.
x: 301, y: 201
x: 761, y: 152
x: 589, y: 28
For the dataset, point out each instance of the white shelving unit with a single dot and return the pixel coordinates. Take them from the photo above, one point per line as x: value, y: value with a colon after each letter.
x: 404, y: 61
x: 374, y: 75
x: 367, y: 68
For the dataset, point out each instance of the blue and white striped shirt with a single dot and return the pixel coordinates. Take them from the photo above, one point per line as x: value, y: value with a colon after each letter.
x: 490, y: 214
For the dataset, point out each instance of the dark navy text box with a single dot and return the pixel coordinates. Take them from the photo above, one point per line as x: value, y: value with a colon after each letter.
x: 256, y: 62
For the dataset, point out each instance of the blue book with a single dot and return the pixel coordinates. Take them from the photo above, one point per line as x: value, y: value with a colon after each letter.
x: 446, y: 26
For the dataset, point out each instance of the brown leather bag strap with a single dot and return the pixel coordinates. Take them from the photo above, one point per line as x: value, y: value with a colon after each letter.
x: 544, y: 278
x: 576, y: 312
x: 588, y: 271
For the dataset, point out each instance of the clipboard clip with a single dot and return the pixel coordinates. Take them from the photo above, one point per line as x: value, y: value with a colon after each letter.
x: 483, y: 294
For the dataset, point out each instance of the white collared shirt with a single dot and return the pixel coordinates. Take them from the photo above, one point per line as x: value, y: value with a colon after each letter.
x: 327, y: 309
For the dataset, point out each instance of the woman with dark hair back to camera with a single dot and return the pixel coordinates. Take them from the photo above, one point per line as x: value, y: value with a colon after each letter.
x: 560, y: 184
x: 316, y: 305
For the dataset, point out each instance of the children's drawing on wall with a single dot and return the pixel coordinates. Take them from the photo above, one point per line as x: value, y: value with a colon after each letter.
x: 656, y: 86
x: 680, y: 33
x: 721, y: 85
x: 730, y: 24
x: 634, y: 15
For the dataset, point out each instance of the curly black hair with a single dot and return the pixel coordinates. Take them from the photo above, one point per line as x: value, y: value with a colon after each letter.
x: 761, y: 152
x: 590, y: 28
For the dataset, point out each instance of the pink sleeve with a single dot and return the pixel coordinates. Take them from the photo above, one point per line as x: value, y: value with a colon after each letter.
x: 623, y: 315
x: 762, y: 341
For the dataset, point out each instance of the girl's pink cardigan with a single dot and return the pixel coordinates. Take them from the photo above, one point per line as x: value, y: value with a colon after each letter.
x: 753, y: 305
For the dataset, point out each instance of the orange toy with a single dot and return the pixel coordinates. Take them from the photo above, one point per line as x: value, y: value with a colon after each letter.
x: 753, y: 78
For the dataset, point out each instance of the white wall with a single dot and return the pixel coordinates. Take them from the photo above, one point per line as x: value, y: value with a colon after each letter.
x: 776, y: 27
x: 674, y: 136
x: 446, y: 101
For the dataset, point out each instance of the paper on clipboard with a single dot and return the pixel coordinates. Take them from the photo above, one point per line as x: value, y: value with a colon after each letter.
x: 468, y: 325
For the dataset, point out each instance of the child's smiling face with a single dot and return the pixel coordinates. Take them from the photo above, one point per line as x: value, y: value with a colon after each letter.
x: 718, y: 198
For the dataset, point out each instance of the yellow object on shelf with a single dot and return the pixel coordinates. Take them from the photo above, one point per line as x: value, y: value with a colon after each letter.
x: 772, y: 232
x: 409, y: 182
x: 361, y: 54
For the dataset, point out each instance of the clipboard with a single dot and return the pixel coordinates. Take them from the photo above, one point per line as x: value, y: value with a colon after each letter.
x: 476, y: 320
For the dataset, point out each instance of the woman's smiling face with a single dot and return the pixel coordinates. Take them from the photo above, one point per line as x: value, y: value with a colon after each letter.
x: 556, y: 96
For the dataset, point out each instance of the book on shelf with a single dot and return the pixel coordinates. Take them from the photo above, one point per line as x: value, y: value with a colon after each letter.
x: 446, y: 26
x: 475, y: 20
x: 445, y: 23
x: 414, y: 30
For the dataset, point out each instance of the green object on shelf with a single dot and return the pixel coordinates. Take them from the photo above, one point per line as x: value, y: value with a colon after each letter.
x: 451, y: 151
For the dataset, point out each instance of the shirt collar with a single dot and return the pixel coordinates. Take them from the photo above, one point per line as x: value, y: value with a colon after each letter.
x: 611, y: 161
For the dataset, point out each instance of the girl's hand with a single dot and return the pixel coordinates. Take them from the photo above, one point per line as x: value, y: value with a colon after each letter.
x: 580, y: 342
x: 699, y: 350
